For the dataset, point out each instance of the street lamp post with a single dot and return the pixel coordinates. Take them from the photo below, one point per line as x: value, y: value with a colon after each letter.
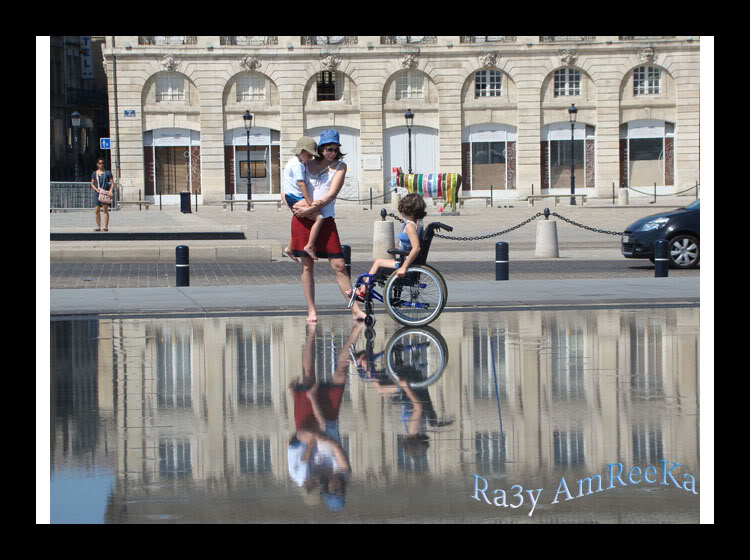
x: 409, y: 116
x: 75, y: 120
x: 248, y: 118
x: 572, y: 114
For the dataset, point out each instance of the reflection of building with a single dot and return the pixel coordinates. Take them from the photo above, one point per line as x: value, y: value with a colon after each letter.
x: 203, y: 402
x: 77, y: 83
x: 491, y: 108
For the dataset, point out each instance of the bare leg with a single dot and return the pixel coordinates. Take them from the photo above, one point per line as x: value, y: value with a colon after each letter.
x: 106, y: 218
x: 314, y: 231
x: 288, y: 250
x: 385, y: 263
x: 345, y: 285
x: 308, y: 360
x: 98, y: 219
x: 308, y: 287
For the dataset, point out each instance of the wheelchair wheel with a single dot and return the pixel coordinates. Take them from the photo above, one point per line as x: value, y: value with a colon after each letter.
x: 419, y: 355
x: 418, y: 298
x: 443, y: 284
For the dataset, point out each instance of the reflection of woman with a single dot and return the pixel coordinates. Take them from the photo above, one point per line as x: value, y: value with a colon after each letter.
x: 316, y: 458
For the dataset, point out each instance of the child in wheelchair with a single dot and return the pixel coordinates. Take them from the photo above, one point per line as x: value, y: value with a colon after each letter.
x: 413, y: 209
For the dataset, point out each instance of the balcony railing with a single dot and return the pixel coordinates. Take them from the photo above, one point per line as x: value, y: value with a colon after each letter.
x: 251, y: 40
x: 408, y: 40
x: 639, y: 37
x: 566, y: 38
x: 167, y: 40
x: 328, y: 40
x: 489, y: 39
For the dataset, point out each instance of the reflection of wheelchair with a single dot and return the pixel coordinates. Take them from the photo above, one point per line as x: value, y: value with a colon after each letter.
x: 419, y: 356
x: 416, y: 355
x: 415, y: 300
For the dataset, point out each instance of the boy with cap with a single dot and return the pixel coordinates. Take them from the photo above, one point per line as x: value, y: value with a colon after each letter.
x: 296, y: 193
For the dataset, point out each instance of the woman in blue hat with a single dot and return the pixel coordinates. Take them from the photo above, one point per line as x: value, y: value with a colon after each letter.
x: 324, y: 177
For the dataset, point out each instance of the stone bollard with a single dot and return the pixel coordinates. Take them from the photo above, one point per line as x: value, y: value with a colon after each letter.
x: 395, y: 199
x: 546, y: 238
x: 622, y: 197
x: 383, y: 238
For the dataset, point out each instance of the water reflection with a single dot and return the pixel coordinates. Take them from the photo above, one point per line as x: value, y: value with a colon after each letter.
x: 261, y: 419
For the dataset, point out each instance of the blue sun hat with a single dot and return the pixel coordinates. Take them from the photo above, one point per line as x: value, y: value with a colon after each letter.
x: 329, y: 137
x: 334, y: 502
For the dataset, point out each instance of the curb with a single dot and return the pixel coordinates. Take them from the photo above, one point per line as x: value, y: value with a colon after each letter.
x: 166, y: 255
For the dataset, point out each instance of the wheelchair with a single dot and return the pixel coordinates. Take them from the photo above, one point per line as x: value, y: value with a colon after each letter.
x: 417, y: 354
x: 415, y: 300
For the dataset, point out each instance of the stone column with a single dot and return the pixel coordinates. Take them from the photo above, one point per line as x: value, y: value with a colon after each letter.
x: 211, y: 84
x: 528, y: 87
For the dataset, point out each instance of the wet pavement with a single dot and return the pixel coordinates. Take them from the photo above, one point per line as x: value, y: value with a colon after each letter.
x: 486, y: 417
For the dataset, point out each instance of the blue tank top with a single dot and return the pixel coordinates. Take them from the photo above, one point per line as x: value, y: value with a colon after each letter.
x: 403, y: 239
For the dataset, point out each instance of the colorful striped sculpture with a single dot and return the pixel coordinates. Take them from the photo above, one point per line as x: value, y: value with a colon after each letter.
x: 432, y: 185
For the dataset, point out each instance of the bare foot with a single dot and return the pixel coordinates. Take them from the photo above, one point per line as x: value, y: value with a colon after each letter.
x: 358, y: 315
x: 289, y: 254
x: 311, y: 251
x: 312, y: 318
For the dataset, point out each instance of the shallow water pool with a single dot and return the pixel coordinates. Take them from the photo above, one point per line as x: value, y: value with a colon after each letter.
x: 563, y: 416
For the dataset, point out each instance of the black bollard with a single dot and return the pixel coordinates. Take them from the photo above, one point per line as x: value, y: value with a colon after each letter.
x: 348, y: 259
x: 183, y: 266
x: 661, y: 259
x: 501, y: 260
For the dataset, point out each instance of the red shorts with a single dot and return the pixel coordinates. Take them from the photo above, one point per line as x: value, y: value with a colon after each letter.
x: 327, y: 246
x: 329, y: 399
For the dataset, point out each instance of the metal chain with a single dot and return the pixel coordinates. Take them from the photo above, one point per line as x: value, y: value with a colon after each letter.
x: 364, y: 200
x: 525, y: 222
x: 564, y: 219
x: 652, y: 194
x: 480, y: 237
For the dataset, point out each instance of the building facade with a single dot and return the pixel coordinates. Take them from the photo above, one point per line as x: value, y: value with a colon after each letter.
x: 77, y: 83
x: 494, y: 109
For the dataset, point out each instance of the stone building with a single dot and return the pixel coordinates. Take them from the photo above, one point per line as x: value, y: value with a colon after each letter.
x: 493, y: 108
x: 77, y: 83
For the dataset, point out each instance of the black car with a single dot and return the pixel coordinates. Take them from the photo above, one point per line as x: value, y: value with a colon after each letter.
x: 681, y: 228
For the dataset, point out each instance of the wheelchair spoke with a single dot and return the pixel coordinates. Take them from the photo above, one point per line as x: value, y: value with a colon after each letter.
x: 417, y: 298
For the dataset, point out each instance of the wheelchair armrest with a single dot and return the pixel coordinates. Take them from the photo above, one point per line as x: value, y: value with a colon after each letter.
x: 440, y: 226
x: 398, y: 252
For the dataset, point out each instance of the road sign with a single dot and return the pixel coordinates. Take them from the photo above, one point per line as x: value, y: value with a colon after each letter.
x: 104, y: 144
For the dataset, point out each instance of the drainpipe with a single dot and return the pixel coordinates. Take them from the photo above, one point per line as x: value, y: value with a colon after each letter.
x: 117, y: 119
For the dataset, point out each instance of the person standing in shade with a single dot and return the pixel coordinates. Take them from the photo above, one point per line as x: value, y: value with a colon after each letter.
x: 103, y: 184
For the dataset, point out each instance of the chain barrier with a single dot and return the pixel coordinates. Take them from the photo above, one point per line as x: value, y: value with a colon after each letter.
x: 670, y: 194
x: 525, y: 222
x: 595, y: 230
x: 365, y: 200
x: 480, y: 237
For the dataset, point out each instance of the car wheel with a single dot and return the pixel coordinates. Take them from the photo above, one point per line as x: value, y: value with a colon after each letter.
x: 684, y: 251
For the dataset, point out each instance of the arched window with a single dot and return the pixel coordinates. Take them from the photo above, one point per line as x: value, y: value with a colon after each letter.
x: 646, y: 80
x: 330, y: 86
x: 488, y: 83
x: 251, y: 87
x: 170, y: 86
x: 567, y: 82
x: 410, y: 85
